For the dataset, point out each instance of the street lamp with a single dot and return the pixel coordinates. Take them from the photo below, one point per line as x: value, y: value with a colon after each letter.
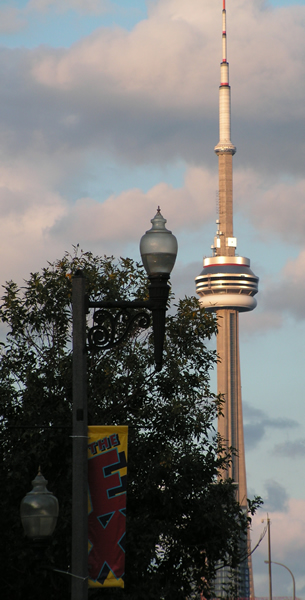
x: 39, y: 510
x: 292, y: 575
x: 158, y: 249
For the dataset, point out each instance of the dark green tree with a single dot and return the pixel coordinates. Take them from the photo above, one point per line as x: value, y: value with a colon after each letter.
x: 181, y: 518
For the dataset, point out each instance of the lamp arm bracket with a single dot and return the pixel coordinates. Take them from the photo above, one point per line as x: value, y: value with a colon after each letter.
x: 111, y: 329
x: 123, y: 304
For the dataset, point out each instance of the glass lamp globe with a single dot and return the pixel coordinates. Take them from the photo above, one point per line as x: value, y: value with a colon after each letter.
x: 39, y: 510
x: 158, y: 247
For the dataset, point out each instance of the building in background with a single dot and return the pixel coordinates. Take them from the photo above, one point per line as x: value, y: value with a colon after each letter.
x: 228, y: 286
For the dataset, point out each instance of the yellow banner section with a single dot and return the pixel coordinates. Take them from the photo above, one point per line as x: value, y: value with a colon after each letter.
x: 107, y: 482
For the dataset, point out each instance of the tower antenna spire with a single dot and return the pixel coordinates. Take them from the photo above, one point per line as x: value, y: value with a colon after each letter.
x: 224, y: 32
x: 224, y: 144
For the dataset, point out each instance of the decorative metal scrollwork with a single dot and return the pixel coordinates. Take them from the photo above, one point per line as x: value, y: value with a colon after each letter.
x: 111, y: 329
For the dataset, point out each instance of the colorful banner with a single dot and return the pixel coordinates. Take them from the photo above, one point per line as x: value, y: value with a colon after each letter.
x: 107, y: 478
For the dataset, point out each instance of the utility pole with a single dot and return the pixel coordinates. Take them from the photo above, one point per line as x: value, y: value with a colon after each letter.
x: 269, y: 558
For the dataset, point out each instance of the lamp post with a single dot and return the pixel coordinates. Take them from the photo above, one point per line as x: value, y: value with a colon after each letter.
x: 292, y: 575
x: 158, y: 249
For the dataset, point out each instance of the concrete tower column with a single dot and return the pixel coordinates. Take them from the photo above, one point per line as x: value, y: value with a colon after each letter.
x: 230, y: 425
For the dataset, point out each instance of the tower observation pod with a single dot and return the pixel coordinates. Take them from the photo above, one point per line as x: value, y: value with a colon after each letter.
x: 227, y: 282
x: 228, y: 286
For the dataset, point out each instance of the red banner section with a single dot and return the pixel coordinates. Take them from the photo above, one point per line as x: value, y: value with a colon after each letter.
x: 107, y: 475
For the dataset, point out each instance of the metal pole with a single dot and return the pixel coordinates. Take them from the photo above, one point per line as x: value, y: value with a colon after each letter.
x: 158, y: 295
x: 292, y: 575
x: 269, y: 558
x: 79, y: 571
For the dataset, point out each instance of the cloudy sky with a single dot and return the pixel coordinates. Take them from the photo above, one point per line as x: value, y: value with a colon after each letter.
x: 109, y: 108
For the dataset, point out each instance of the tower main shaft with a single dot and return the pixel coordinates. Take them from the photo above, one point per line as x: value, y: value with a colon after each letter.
x: 227, y: 285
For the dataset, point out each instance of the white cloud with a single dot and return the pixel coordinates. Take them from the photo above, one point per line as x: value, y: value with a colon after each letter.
x: 151, y: 93
x: 39, y: 223
x: 122, y: 217
x: 148, y: 96
x: 271, y: 205
x: 157, y: 62
x: 27, y: 210
x: 165, y: 58
x: 285, y: 293
x: 157, y: 85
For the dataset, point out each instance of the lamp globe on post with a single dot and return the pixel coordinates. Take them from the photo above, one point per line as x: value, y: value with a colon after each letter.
x: 39, y: 510
x: 158, y: 249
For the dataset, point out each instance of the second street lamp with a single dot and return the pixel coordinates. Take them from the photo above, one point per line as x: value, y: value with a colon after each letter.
x: 291, y: 573
x: 39, y: 510
x: 159, y: 250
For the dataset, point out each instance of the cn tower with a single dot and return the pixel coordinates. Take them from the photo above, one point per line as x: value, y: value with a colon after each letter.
x: 228, y: 286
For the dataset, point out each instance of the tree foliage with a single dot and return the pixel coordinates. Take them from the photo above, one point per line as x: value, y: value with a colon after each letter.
x: 181, y: 518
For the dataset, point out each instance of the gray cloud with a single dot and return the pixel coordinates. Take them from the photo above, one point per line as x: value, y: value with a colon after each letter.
x: 148, y: 96
x: 11, y: 20
x: 276, y: 498
x: 285, y: 292
x: 92, y: 115
x: 94, y: 7
x: 138, y: 96
x: 257, y: 422
x: 288, y: 449
x: 259, y: 321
